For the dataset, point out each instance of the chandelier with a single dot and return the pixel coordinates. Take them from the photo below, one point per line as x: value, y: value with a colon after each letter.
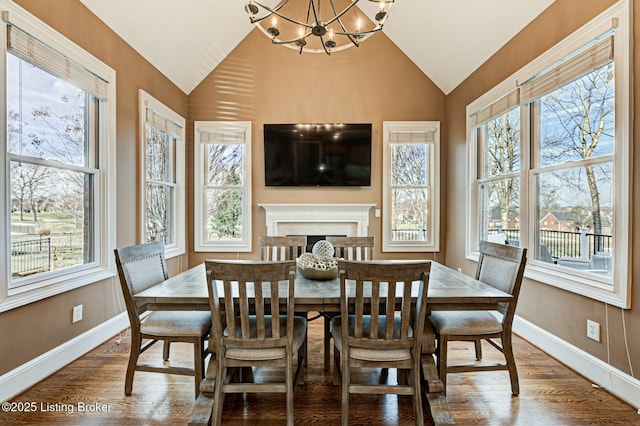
x: 317, y: 26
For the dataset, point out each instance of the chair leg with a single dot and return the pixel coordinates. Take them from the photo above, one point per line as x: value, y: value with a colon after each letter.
x: 134, y: 353
x: 218, y: 399
x: 344, y: 391
x: 327, y: 342
x: 337, y: 378
x: 417, y: 393
x: 289, y: 395
x: 198, y: 363
x: 442, y: 361
x: 478, y: 345
x: 165, y: 350
x: 511, y: 364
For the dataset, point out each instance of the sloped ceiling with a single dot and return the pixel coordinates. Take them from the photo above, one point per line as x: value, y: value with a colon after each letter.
x: 446, y: 39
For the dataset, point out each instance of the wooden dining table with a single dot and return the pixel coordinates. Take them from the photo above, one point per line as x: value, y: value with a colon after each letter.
x: 448, y: 290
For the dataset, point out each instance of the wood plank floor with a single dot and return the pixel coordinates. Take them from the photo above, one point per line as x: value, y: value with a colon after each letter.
x: 551, y: 394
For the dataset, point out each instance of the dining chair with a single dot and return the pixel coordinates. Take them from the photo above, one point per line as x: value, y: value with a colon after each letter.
x: 261, y: 328
x: 348, y: 248
x: 353, y: 248
x: 501, y: 266
x: 140, y: 267
x: 379, y: 326
x: 278, y: 248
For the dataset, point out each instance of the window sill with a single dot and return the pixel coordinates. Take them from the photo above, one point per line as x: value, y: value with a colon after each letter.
x: 25, y: 295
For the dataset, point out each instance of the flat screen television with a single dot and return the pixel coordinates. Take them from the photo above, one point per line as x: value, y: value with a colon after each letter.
x: 317, y: 154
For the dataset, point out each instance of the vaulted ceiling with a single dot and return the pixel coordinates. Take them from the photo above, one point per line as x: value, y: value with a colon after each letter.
x: 187, y: 39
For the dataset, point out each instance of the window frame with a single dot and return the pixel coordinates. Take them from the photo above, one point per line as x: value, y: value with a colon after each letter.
x: 103, y: 266
x: 388, y: 245
x: 146, y: 101
x: 614, y: 290
x: 200, y: 170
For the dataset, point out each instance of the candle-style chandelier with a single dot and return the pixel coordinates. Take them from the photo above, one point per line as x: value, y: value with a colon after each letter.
x: 334, y: 24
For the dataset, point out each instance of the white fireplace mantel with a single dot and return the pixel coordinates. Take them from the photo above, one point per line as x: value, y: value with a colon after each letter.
x: 311, y: 219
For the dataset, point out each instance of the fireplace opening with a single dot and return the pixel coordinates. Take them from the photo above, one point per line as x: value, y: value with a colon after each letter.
x: 312, y: 239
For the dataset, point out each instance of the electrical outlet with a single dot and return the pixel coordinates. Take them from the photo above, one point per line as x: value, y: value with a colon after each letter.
x: 77, y: 314
x: 593, y: 330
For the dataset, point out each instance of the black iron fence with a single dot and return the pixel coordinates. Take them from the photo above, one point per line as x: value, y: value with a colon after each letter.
x: 29, y: 256
x: 565, y: 243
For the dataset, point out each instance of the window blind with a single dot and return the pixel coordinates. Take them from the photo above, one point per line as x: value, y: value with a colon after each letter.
x: 163, y: 124
x: 497, y: 108
x: 567, y: 70
x: 406, y: 136
x: 39, y: 54
x: 223, y: 136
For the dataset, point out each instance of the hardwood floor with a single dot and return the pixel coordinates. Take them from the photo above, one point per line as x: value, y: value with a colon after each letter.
x: 93, y: 387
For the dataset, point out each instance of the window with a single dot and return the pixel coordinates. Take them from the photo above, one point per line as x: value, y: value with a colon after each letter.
x: 560, y: 141
x: 222, y: 186
x: 411, y: 190
x: 163, y: 203
x: 60, y: 180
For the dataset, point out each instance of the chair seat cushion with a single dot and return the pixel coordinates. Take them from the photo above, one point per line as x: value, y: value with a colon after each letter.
x: 177, y: 323
x: 258, y: 354
x: 370, y: 354
x: 465, y: 322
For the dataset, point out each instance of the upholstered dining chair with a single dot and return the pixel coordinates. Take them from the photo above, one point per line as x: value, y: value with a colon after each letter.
x: 378, y: 327
x: 261, y: 328
x: 278, y: 248
x: 140, y: 267
x: 348, y: 248
x: 500, y: 266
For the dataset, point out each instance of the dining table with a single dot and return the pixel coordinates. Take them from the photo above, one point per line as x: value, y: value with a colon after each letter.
x: 449, y: 289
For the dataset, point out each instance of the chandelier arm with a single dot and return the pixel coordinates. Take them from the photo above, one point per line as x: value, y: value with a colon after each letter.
x: 361, y: 33
x: 324, y: 46
x: 349, y: 36
x: 277, y: 13
x: 339, y: 15
x: 293, y: 40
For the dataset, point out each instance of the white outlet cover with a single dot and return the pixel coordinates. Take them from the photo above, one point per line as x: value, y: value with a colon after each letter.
x: 77, y: 313
x: 593, y: 330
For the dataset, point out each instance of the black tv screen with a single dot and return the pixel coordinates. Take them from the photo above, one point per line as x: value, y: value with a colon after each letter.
x: 317, y: 154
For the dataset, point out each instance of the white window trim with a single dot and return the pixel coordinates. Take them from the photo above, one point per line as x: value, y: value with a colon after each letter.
x: 619, y: 16
x: 146, y: 101
x: 388, y: 245
x: 105, y: 203
x: 200, y: 243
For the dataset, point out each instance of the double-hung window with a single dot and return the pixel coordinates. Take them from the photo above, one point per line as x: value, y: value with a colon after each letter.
x: 58, y: 199
x: 163, y: 203
x: 411, y: 190
x: 222, y: 158
x: 560, y: 139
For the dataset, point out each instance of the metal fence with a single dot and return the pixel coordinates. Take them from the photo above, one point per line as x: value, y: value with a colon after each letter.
x: 30, y: 256
x: 565, y: 243
x: 408, y: 234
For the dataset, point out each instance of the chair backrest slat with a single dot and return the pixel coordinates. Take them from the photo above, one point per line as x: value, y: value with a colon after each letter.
x: 387, y: 293
x: 256, y: 296
x: 280, y: 248
x: 353, y: 248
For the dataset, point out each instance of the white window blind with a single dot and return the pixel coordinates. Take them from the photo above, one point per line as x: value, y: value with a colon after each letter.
x: 497, y: 108
x: 164, y: 124
x: 222, y: 136
x: 591, y: 58
x: 39, y: 54
x: 400, y: 136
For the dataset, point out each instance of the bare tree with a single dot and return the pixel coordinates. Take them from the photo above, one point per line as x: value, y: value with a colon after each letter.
x: 584, y: 111
x: 503, y: 158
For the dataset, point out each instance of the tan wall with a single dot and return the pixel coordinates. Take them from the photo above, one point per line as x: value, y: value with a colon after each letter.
x: 262, y: 83
x: 562, y: 313
x: 31, y: 330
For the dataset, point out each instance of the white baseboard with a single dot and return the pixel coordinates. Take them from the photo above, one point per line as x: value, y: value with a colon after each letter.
x: 599, y: 372
x: 28, y: 374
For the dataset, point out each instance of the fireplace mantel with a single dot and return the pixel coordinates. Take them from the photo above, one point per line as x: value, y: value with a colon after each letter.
x: 308, y: 219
